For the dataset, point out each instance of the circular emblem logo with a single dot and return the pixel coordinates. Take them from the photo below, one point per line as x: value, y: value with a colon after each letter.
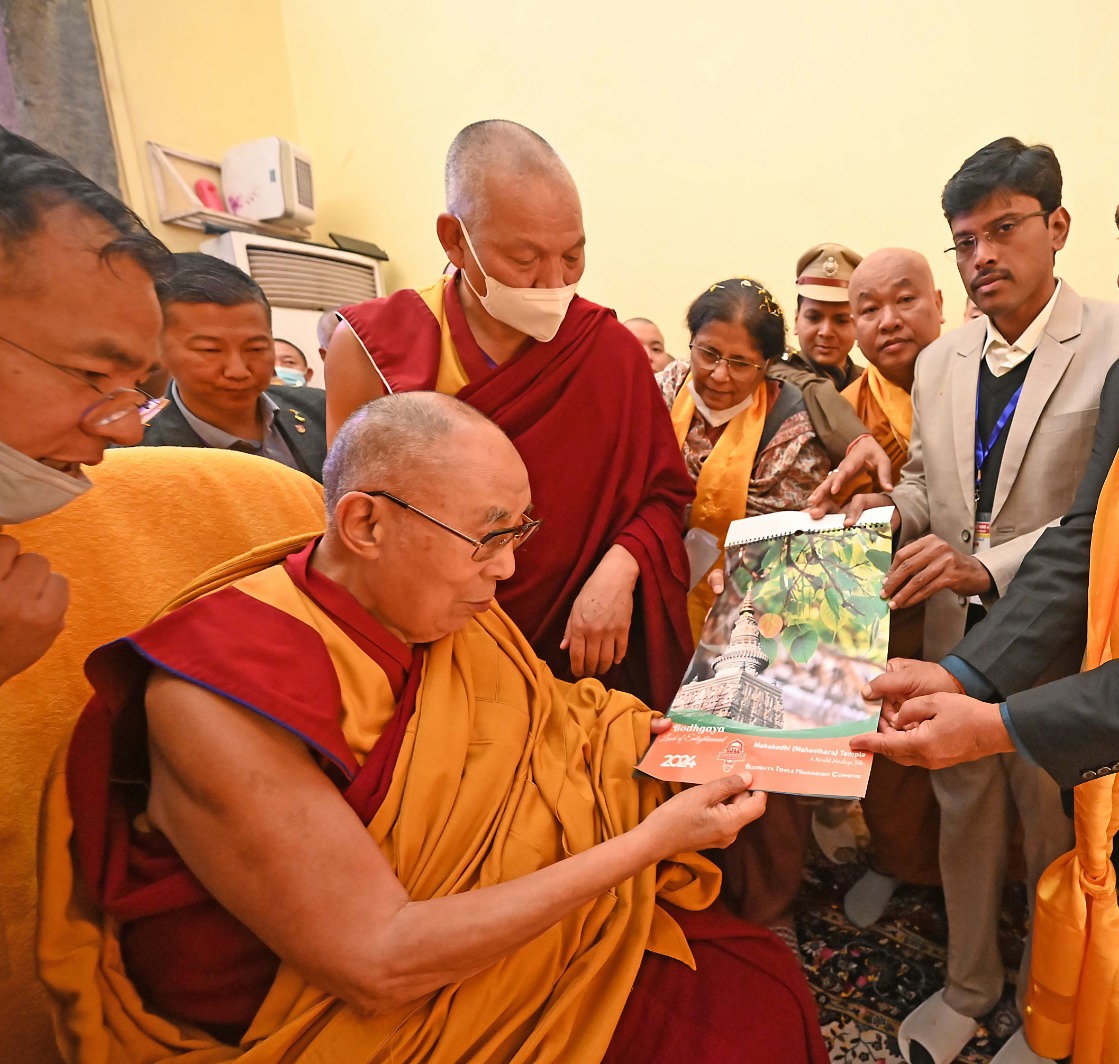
x: 831, y: 267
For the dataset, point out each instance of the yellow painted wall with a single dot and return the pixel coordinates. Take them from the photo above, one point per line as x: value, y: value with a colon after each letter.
x: 707, y: 140
x: 198, y: 76
x: 710, y: 139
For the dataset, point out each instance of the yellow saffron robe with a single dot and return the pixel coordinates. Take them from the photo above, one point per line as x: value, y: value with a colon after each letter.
x: 723, y: 486
x: 503, y: 770
x: 887, y: 411
x: 1073, y: 1000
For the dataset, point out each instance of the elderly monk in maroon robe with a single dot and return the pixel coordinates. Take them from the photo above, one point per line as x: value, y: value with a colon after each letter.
x: 602, y: 590
x: 331, y: 807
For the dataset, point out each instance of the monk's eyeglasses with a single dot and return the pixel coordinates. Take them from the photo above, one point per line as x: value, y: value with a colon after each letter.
x: 491, y: 544
x: 113, y: 406
x: 999, y: 233
x: 736, y: 367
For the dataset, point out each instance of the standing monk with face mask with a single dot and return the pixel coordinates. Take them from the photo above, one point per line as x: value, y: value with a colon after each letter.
x: 602, y: 591
x: 79, y: 327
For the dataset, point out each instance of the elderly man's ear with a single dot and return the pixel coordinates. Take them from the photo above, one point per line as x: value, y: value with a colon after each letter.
x: 449, y: 230
x: 359, y: 525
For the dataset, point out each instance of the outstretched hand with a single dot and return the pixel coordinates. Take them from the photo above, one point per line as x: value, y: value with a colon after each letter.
x: 940, y: 730
x: 928, y: 565
x: 865, y: 455
x: 907, y: 678
x: 707, y: 816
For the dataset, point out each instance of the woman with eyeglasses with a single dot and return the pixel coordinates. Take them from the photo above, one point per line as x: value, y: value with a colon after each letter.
x: 750, y: 447
x: 747, y: 440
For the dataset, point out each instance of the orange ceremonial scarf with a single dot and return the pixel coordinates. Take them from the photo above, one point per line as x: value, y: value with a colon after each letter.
x: 1073, y: 1001
x: 503, y: 770
x: 723, y: 486
x: 887, y: 410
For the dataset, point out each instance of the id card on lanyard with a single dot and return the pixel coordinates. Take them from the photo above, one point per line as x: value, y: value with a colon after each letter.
x: 982, y: 536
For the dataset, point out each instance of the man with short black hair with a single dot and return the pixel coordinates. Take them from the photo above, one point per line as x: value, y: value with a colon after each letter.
x: 1017, y: 393
x: 292, y: 369
x: 218, y: 348
x: 79, y: 328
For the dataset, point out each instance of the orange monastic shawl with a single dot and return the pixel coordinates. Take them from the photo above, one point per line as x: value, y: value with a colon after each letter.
x: 503, y: 770
x: 1073, y: 1002
x: 724, y: 481
x: 887, y: 410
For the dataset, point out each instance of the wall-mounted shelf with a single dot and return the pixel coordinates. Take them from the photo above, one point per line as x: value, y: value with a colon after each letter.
x: 174, y: 174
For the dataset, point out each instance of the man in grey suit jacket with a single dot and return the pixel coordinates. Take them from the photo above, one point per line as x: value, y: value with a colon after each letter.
x: 1004, y: 413
x: 218, y: 348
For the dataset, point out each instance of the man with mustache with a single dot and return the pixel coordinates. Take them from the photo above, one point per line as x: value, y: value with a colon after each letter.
x: 1004, y: 414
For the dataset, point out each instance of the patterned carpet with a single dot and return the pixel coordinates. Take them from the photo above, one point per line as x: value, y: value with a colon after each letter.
x: 867, y: 981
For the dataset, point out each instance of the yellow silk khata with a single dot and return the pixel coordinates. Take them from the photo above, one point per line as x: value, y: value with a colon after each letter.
x: 887, y: 411
x: 723, y: 486
x: 503, y: 770
x: 1073, y: 1001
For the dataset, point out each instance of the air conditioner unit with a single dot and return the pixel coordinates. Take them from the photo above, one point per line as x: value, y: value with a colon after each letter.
x: 301, y: 281
x: 269, y: 180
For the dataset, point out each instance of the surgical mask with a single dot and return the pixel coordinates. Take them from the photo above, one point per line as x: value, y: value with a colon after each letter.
x: 29, y: 489
x: 537, y: 312
x: 719, y: 417
x: 293, y: 378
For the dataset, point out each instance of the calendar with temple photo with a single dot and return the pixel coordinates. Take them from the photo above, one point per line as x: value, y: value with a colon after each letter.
x: 775, y: 685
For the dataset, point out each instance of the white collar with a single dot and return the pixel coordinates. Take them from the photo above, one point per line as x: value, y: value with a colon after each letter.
x: 1001, y: 355
x: 717, y: 418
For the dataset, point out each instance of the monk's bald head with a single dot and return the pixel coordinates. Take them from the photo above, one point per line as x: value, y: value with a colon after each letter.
x: 889, y: 264
x: 897, y: 310
x: 426, y: 501
x: 407, y: 443
x: 489, y: 158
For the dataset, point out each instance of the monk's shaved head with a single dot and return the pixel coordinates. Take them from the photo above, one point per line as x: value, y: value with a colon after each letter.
x: 491, y: 153
x: 897, y: 311
x: 400, y: 441
x: 892, y: 264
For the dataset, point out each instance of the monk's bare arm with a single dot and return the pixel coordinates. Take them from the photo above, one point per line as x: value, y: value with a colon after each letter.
x: 351, y: 380
x: 262, y: 827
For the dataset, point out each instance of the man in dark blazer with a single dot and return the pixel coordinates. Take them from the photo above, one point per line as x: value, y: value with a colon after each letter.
x: 1069, y: 726
x: 219, y: 351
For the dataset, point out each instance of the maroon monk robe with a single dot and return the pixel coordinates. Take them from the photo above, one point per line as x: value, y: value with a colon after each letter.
x: 191, y: 959
x: 586, y: 417
x: 187, y: 956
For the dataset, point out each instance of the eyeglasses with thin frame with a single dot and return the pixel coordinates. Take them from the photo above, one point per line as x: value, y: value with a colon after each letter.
x: 999, y: 233
x: 736, y: 367
x: 490, y: 545
x: 113, y: 406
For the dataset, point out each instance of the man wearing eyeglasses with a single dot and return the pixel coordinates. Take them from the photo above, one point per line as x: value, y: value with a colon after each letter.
x: 399, y: 837
x: 79, y: 328
x: 1004, y: 414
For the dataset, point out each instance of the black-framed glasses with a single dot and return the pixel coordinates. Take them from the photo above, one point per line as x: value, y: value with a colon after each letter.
x: 491, y: 544
x: 736, y: 367
x: 999, y: 233
x: 113, y: 406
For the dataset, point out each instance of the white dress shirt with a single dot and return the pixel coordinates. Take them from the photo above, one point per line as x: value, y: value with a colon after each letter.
x: 1003, y: 356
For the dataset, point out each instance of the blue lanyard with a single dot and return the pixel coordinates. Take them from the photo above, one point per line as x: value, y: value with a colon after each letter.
x: 983, y: 450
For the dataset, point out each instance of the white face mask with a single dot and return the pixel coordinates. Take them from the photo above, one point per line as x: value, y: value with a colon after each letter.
x: 718, y: 417
x: 537, y: 312
x: 29, y: 489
